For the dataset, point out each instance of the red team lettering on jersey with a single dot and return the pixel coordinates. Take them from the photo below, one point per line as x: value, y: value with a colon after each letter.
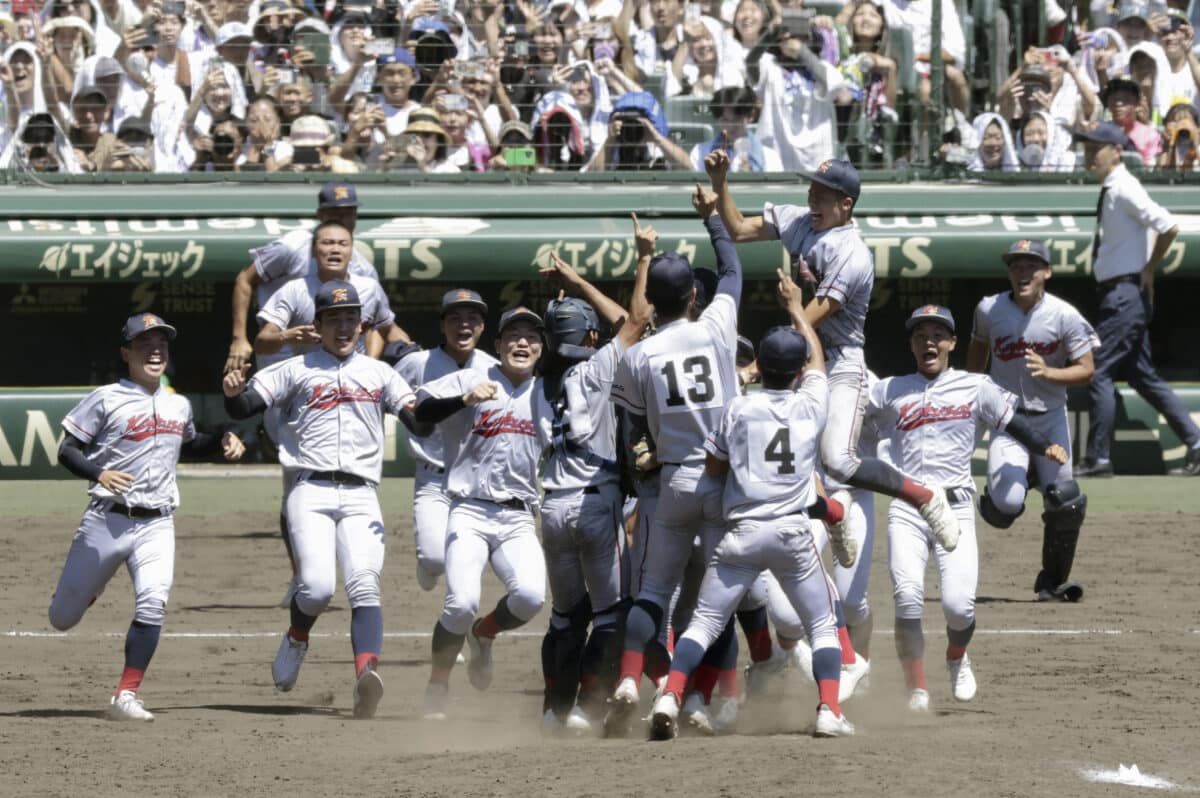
x: 491, y: 423
x: 1005, y: 348
x: 141, y: 427
x: 918, y: 415
x: 328, y: 395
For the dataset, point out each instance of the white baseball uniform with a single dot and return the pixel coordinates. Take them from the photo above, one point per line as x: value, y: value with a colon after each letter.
x: 125, y: 428
x: 334, y: 411
x: 431, y: 505
x: 294, y: 304
x: 492, y: 454
x: 1054, y: 329
x: 932, y: 426
x: 845, y: 269
x: 680, y: 379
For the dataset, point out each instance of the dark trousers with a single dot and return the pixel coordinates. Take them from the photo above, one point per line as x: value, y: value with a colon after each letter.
x: 1125, y: 352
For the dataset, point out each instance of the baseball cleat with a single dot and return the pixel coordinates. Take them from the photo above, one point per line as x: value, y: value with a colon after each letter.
x: 1069, y: 591
x: 623, y: 706
x: 852, y: 674
x: 941, y: 519
x: 479, y: 668
x: 800, y: 658
x: 831, y: 725
x: 918, y: 700
x: 437, y: 696
x: 664, y: 719
x: 845, y: 547
x: 578, y: 722
x: 127, y: 706
x: 460, y: 659
x: 285, y: 670
x: 962, y: 679
x: 551, y: 725
x: 696, y: 715
x: 759, y: 674
x: 368, y: 689
x: 426, y: 580
x: 725, y: 718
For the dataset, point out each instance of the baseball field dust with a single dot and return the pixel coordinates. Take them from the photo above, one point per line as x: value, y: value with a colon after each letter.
x: 1064, y: 689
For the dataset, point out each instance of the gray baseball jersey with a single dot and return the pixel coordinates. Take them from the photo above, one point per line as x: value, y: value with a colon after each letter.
x: 770, y: 440
x: 493, y: 449
x: 841, y: 262
x: 424, y: 367
x: 333, y: 410
x: 585, y: 431
x: 125, y: 428
x: 681, y: 378
x: 1053, y: 329
x: 294, y: 305
x: 932, y: 425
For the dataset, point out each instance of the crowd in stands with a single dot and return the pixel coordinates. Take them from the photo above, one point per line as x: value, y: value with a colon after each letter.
x: 449, y: 86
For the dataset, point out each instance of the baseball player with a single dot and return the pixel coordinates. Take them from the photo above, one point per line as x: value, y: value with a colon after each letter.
x: 765, y: 447
x: 581, y: 511
x: 463, y: 313
x: 675, y: 385
x: 334, y: 400
x: 125, y: 439
x: 931, y: 419
x: 496, y: 427
x: 827, y: 248
x: 1037, y: 345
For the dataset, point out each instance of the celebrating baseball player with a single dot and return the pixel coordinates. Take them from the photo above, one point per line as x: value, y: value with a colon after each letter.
x: 334, y: 400
x: 463, y: 313
x: 931, y: 419
x: 827, y: 248
x: 125, y: 439
x: 765, y: 448
x: 1038, y: 345
x: 675, y: 385
x: 581, y: 511
x: 496, y: 426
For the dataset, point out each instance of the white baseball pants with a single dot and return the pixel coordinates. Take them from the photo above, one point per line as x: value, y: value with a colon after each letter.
x: 583, y: 538
x: 1008, y: 462
x: 910, y: 541
x: 431, y: 511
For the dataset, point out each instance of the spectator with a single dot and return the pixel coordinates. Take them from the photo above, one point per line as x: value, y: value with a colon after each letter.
x: 425, y: 144
x: 40, y: 146
x: 696, y: 68
x: 71, y: 42
x: 22, y: 78
x: 516, y: 153
x: 592, y: 99
x: 312, y: 139
x: 1183, y: 137
x: 996, y: 151
x: 917, y: 16
x: 1133, y: 19
x: 366, y: 133
x: 558, y: 133
x: 295, y: 100
x: 103, y: 38
x: 1043, y: 145
x: 120, y: 16
x: 133, y: 149
x: 1121, y: 100
x: 347, y: 52
x: 656, y: 43
x: 733, y: 108
x: 611, y: 55
x: 1102, y: 52
x: 272, y: 30
x: 456, y: 113
x: 1179, y: 78
x: 107, y: 75
x: 1049, y: 80
x: 231, y: 55
x: 870, y: 74
x: 171, y: 64
x: 481, y: 81
x: 751, y: 21
x: 638, y: 138
x: 264, y: 148
x: 88, y: 110
x: 397, y: 72
x: 1146, y: 63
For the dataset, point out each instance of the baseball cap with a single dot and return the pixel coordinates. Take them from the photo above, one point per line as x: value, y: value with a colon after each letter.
x: 88, y: 91
x: 335, y: 295
x: 670, y: 277
x: 515, y: 127
x: 337, y: 194
x: 705, y: 281
x: 1105, y: 133
x: 839, y: 176
x: 233, y: 31
x: 459, y: 297
x: 745, y: 351
x: 1027, y: 248
x: 401, y: 55
x: 926, y: 313
x: 106, y: 66
x: 140, y: 323
x: 520, y: 313
x: 783, y: 350
x: 135, y: 128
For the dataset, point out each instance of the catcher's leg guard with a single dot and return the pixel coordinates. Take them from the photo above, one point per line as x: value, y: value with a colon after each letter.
x: 1065, y: 509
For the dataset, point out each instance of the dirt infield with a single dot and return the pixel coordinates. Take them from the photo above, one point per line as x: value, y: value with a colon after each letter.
x: 1062, y: 688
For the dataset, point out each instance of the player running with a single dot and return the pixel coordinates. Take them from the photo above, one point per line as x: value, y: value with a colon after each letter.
x: 1038, y: 345
x: 335, y: 399
x: 125, y: 439
x: 931, y: 419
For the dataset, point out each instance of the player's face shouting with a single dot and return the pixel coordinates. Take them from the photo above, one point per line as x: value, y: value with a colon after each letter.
x: 828, y: 208
x: 147, y: 356
x: 333, y: 249
x: 462, y: 327
x: 339, y: 330
x: 1028, y: 277
x: 519, y: 347
x: 931, y: 345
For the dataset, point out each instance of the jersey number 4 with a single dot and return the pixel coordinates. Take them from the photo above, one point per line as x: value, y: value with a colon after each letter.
x: 779, y: 450
x: 699, y: 369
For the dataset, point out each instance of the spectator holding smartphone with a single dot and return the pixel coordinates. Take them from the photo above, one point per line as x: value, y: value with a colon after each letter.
x: 1182, y: 126
x: 348, y: 52
x: 732, y: 109
x: 264, y: 148
x: 638, y: 138
x: 516, y: 153
x: 21, y: 75
x: 396, y: 73
x: 219, y: 152
x: 425, y: 144
x: 1180, y: 79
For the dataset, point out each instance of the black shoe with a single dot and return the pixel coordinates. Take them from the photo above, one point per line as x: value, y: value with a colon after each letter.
x: 1089, y: 468
x: 1191, y: 465
x: 1069, y: 591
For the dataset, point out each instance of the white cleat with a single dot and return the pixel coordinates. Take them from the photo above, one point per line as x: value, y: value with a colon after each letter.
x: 623, y: 706
x: 578, y: 722
x: 725, y: 718
x: 479, y: 668
x: 460, y: 659
x: 696, y: 715
x: 918, y: 700
x: 368, y: 690
x: 286, y: 601
x: 851, y: 676
x: 127, y: 706
x: 941, y: 519
x: 800, y: 658
x: 759, y: 674
x: 831, y: 725
x: 425, y: 580
x: 551, y: 725
x: 962, y: 678
x: 437, y: 696
x: 664, y: 720
x: 285, y: 670
x: 845, y: 547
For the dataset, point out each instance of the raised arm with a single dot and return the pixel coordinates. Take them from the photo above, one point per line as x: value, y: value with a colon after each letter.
x: 729, y: 265
x: 792, y: 300
x: 741, y: 229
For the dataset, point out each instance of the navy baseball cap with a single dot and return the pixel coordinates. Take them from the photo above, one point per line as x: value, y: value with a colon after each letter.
x: 745, y: 351
x: 930, y: 313
x: 1027, y: 248
x: 705, y: 281
x: 520, y: 313
x: 400, y: 56
x: 783, y: 350
x: 140, y: 323
x: 337, y: 194
x: 670, y: 277
x: 839, y: 176
x: 335, y: 295
x: 1105, y: 133
x: 463, y: 297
